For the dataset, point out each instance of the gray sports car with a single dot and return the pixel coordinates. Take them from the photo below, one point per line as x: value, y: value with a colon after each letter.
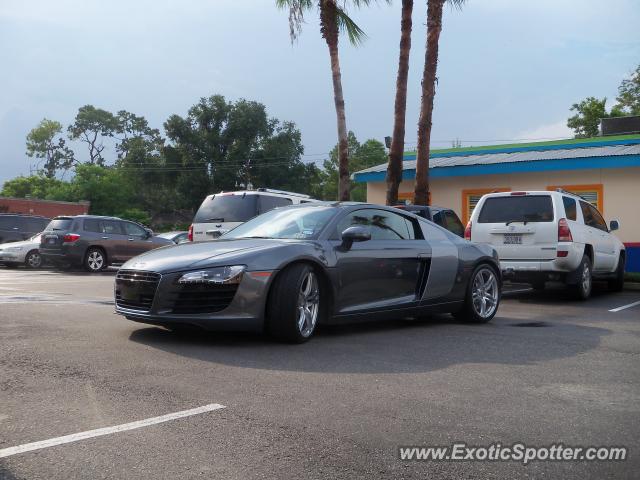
x: 288, y: 270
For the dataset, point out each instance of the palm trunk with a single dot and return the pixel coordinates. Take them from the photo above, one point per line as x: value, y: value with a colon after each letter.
x: 396, y: 153
x: 434, y: 26
x: 329, y: 29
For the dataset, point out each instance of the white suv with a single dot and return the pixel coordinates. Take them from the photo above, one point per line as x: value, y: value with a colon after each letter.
x: 223, y: 211
x: 556, y: 236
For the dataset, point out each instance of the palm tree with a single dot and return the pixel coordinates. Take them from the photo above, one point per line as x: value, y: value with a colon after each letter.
x: 333, y: 21
x: 396, y: 152
x: 429, y: 79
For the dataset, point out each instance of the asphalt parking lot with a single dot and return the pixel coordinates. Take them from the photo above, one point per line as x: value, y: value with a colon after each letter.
x: 547, y: 369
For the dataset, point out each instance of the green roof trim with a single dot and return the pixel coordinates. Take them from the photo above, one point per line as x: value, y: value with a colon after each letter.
x: 569, y: 142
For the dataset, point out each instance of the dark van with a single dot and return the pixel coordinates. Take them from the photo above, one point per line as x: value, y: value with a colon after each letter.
x: 16, y: 227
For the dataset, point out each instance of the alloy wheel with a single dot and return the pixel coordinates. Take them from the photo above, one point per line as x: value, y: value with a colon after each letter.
x: 308, y: 304
x: 95, y: 260
x: 34, y: 260
x: 485, y: 293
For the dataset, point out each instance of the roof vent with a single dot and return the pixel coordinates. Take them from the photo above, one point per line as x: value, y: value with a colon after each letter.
x: 620, y: 125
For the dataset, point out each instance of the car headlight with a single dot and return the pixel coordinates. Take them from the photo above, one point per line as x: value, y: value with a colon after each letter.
x: 219, y: 275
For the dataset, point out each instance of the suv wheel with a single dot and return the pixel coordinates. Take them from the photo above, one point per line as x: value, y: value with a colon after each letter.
x: 585, y: 279
x: 617, y: 284
x: 95, y: 260
x: 33, y: 259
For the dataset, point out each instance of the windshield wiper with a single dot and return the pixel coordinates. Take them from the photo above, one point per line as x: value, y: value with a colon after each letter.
x: 524, y: 222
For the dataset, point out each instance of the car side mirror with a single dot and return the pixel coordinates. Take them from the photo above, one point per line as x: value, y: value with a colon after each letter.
x: 354, y: 234
x: 614, y: 225
x: 149, y: 232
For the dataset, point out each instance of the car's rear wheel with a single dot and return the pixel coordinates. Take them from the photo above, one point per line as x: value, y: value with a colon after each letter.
x: 295, y: 304
x: 483, y: 296
x: 33, y: 259
x: 583, y: 288
x: 95, y: 260
x: 617, y: 283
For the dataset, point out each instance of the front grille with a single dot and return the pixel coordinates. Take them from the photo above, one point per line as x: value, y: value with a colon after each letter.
x: 193, y: 299
x: 135, y: 290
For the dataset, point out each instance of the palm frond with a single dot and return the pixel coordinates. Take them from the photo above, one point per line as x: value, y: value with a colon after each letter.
x: 456, y: 3
x: 346, y: 24
x: 296, y: 14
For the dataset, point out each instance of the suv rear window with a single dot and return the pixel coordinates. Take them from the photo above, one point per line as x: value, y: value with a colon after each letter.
x: 59, y: 224
x: 227, y: 208
x: 525, y: 208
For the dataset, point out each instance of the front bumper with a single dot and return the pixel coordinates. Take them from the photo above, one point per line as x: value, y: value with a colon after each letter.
x: 245, y: 312
x: 11, y: 257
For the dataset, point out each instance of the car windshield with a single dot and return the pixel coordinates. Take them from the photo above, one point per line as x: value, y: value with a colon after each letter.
x: 524, y: 208
x: 299, y: 222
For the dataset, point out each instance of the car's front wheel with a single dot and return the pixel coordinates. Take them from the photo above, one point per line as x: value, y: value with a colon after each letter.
x: 95, y: 260
x: 583, y: 288
x: 483, y: 296
x: 33, y: 259
x: 617, y: 283
x: 295, y: 304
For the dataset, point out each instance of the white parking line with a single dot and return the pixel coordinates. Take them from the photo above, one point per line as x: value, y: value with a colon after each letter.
x: 28, y: 447
x: 624, y: 307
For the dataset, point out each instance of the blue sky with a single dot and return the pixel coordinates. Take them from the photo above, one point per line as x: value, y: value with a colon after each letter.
x: 509, y: 69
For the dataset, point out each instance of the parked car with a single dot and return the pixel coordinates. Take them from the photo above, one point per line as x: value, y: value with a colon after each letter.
x: 445, y: 217
x: 24, y: 253
x: 224, y: 211
x: 95, y: 242
x: 175, y: 237
x: 293, y: 267
x: 17, y: 227
x: 545, y: 235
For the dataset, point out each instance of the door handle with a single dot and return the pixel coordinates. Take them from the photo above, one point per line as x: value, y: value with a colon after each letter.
x: 130, y: 239
x: 424, y: 255
x: 105, y: 238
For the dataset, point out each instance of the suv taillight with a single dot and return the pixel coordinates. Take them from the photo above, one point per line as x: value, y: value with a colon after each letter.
x: 70, y: 238
x: 564, y: 232
x: 190, y: 235
x: 467, y: 231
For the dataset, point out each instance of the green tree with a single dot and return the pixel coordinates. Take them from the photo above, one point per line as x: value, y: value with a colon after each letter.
x: 45, y: 142
x: 586, y: 122
x: 133, y: 131
x: 429, y: 80
x: 333, y: 20
x: 396, y: 152
x: 92, y: 126
x: 363, y: 155
x: 629, y: 94
x: 223, y: 145
x: 35, y: 186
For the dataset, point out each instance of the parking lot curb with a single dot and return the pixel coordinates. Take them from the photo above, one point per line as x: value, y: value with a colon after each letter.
x: 632, y: 286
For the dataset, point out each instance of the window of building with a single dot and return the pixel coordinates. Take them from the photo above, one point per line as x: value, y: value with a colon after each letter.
x: 407, y: 198
x: 593, y: 194
x: 470, y: 199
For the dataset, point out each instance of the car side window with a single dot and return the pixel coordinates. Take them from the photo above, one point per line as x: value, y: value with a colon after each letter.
x: 453, y: 223
x: 438, y: 219
x: 267, y: 202
x: 111, y: 227
x: 92, y: 225
x: 133, y: 229
x: 6, y: 223
x: 383, y: 225
x: 570, y: 208
x: 598, y: 221
x: 587, y: 214
x: 34, y: 225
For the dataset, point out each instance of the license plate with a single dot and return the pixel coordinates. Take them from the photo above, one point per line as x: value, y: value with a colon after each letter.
x: 51, y: 241
x: 512, y: 239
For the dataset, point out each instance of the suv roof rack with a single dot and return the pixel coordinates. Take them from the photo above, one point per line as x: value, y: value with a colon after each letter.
x: 562, y: 190
x: 282, y: 192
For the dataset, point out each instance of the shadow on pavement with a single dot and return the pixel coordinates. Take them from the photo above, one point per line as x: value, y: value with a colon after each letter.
x: 386, y: 347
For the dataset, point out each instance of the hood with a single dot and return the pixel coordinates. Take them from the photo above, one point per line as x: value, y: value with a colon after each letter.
x: 200, y: 254
x: 23, y: 244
